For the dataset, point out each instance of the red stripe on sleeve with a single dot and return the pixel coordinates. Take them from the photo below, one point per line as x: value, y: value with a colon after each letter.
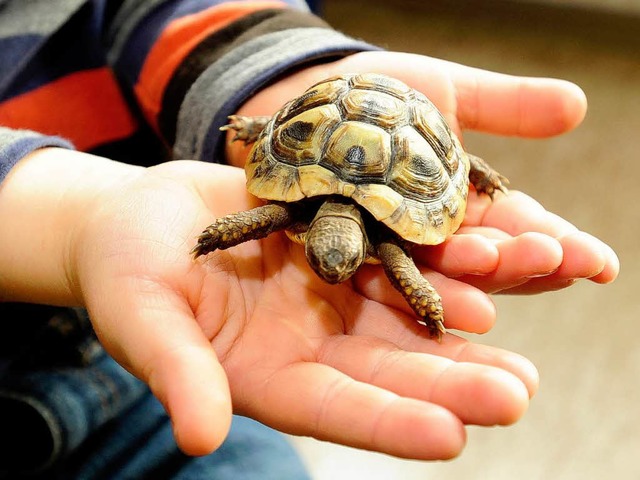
x: 175, y: 43
x: 85, y: 107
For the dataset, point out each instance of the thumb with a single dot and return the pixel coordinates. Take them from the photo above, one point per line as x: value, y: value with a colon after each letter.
x: 153, y: 334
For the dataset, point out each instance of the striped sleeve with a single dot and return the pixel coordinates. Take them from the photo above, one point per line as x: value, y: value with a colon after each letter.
x: 22, y: 34
x: 192, y: 66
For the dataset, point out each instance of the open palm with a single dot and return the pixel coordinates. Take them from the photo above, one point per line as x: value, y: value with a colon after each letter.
x: 345, y: 363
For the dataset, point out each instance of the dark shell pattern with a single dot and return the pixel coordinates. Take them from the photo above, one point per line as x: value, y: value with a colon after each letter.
x: 373, y: 139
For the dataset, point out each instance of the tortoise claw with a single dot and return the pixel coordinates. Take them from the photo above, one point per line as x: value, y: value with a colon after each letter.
x: 438, y: 330
x: 485, y: 179
x: 247, y: 128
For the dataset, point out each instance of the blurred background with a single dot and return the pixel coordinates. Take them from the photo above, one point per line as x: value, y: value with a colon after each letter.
x: 584, y: 423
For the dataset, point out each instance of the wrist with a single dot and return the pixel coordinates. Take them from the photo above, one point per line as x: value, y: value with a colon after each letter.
x: 44, y: 202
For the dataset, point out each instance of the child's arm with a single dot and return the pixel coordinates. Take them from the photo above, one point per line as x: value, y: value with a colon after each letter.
x: 252, y: 324
x: 118, y: 240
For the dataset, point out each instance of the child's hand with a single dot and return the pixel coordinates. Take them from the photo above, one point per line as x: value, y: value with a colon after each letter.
x: 252, y: 325
x: 342, y: 363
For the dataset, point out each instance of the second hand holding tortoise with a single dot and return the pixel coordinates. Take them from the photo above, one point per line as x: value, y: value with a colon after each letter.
x: 358, y: 169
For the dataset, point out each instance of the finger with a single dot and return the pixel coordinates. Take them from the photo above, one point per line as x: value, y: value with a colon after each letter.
x: 465, y: 307
x: 611, y: 268
x: 511, y: 105
x: 526, y: 256
x: 476, y: 393
x: 462, y: 350
x: 584, y: 255
x: 460, y: 255
x: 483, y: 100
x: 407, y: 335
x: 583, y: 258
x: 154, y: 335
x: 518, y: 213
x: 329, y: 405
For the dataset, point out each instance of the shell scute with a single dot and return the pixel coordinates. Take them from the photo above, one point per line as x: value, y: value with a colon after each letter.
x: 417, y: 172
x: 382, y: 83
x: 299, y: 140
x: 323, y: 93
x: 274, y: 180
x: 358, y: 152
x: 374, y: 107
x: 428, y: 121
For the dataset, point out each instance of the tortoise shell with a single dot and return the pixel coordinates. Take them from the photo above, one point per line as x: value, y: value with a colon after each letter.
x: 373, y: 139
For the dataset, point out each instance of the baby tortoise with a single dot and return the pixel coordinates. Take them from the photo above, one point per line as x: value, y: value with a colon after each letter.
x: 358, y: 169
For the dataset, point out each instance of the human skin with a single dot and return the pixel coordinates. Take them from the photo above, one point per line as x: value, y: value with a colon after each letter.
x: 252, y: 329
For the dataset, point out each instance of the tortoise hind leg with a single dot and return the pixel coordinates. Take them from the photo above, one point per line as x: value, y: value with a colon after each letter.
x: 484, y: 178
x: 237, y: 228
x: 247, y: 128
x: 416, y: 290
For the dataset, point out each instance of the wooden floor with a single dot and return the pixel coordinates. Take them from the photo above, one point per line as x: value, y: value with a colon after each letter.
x: 585, y: 421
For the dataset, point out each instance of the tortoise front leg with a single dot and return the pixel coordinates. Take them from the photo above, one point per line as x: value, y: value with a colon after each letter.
x: 484, y: 178
x: 237, y: 228
x: 417, y: 291
x: 247, y: 128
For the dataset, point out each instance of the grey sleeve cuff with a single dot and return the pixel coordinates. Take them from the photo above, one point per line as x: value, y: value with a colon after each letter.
x: 15, y: 144
x: 228, y: 82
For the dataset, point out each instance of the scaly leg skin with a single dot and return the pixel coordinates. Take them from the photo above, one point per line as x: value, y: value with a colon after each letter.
x: 417, y: 291
x: 484, y: 178
x: 247, y: 128
x: 237, y: 228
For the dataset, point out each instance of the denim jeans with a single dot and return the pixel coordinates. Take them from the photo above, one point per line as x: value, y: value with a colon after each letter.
x: 68, y: 411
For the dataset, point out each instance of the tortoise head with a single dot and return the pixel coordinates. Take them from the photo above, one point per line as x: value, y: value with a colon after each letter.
x: 335, y: 244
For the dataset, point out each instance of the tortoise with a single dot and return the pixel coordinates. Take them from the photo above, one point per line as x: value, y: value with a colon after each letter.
x: 359, y: 168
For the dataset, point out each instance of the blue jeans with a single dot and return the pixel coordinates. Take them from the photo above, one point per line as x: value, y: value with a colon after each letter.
x: 85, y: 417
